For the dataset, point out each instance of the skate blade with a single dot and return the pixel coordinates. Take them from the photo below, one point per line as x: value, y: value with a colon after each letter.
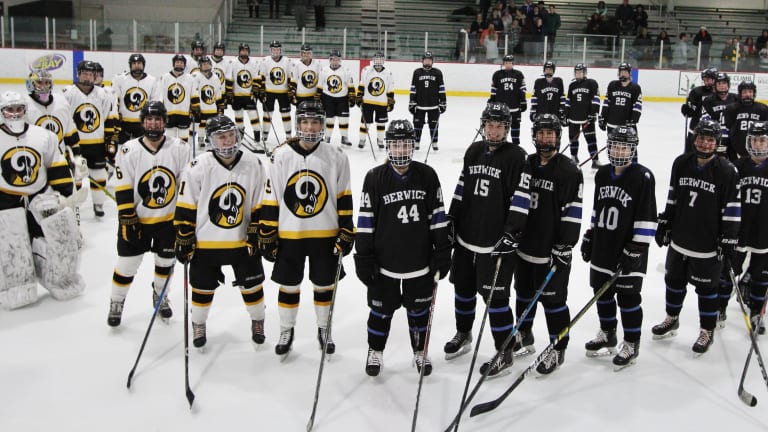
x: 450, y: 356
x: 524, y: 351
x: 284, y: 357
x: 721, y: 324
x: 201, y: 349
x: 668, y: 334
x: 502, y: 373
x: 166, y: 321
x: 617, y: 368
x: 602, y: 352
x: 540, y: 375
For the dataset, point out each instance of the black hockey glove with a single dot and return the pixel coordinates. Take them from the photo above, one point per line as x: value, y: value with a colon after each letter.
x: 563, y: 118
x: 442, y: 107
x: 412, y: 108
x: 663, y: 231
x: 262, y: 96
x: 592, y: 118
x: 366, y: 268
x: 268, y: 244
x: 533, y: 116
x: 112, y: 145
x: 586, y: 246
x: 130, y: 228
x: 631, y: 258
x: 561, y: 256
x: 440, y: 261
x: 737, y: 262
x: 602, y: 123
x: 451, y: 231
x: 344, y: 242
x: 687, y: 110
x: 727, y: 249
x: 507, y: 244
x: 351, y: 99
x: 523, y: 105
x: 390, y: 102
x: 360, y: 94
x: 185, y: 245
x: 252, y: 239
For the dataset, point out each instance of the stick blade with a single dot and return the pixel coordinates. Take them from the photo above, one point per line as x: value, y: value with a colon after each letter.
x: 747, y: 397
x: 311, y: 424
x: 130, y: 377
x: 483, y: 408
x: 190, y: 397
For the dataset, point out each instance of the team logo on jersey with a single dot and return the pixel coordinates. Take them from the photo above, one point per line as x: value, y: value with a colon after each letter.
x: 306, y: 194
x: 87, y: 118
x: 52, y: 124
x: 309, y: 79
x: 176, y: 93
x: 157, y: 187
x: 20, y: 166
x: 244, y: 79
x: 277, y: 76
x: 333, y: 84
x: 208, y: 94
x: 195, y: 70
x: 226, y: 206
x: 134, y: 99
x: 219, y: 73
x: 376, y: 86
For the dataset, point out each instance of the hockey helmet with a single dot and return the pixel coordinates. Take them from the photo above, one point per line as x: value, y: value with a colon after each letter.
x: 305, y: 47
x: 154, y: 108
x: 580, y: 67
x: 178, y: 58
x: 706, y: 128
x: 275, y: 49
x: 495, y: 112
x: 335, y: 54
x: 625, y: 67
x: 722, y: 77
x: 709, y: 73
x: 549, y: 65
x: 13, y: 111
x: 310, y: 110
x: 622, y: 145
x: 198, y: 44
x: 747, y: 85
x: 400, y: 143
x: 275, y: 44
x: 83, y: 68
x: 205, y: 60
x: 219, y: 46
x: 244, y: 46
x: 547, y: 122
x: 757, y: 140
x: 427, y: 56
x: 136, y: 58
x: 306, y: 52
x: 223, y: 143
x: 335, y: 59
x: 98, y: 68
x: 509, y: 58
x: 39, y: 84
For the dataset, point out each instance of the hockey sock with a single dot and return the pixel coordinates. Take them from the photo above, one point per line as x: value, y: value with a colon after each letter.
x: 675, y: 299
x: 266, y: 121
x: 122, y: 277
x: 163, y: 270
x: 631, y: 316
x: 520, y: 304
x: 239, y: 118
x: 288, y: 305
x: 417, y: 327
x: 515, y: 134
x: 707, y: 308
x: 255, y: 122
x: 433, y: 129
x: 574, y: 148
x: 465, y: 312
x: 558, y: 316
x: 322, y: 297
x: 286, y: 117
x: 329, y: 127
x: 724, y: 290
x: 253, y: 298
x: 501, y: 319
x: 378, y: 330
x: 201, y: 304
x: 99, y: 175
x: 757, y: 293
x: 364, y: 132
x: 606, y: 310
x: 344, y: 126
x: 380, y: 131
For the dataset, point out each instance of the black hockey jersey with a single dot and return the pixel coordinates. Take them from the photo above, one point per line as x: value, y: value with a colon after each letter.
x: 555, y: 213
x: 402, y: 219
x: 582, y: 100
x: 427, y: 88
x: 622, y: 103
x: 702, y: 205
x: 753, y: 187
x: 491, y: 197
x: 695, y: 98
x: 509, y: 87
x: 624, y: 211
x: 713, y: 108
x: 736, y: 121
x: 548, y: 97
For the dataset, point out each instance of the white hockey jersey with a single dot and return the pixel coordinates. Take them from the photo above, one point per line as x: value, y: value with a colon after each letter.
x: 92, y: 114
x: 221, y: 69
x: 241, y: 77
x: 207, y: 94
x: 274, y: 75
x: 148, y: 181
x: 376, y: 86
x: 308, y: 194
x: 336, y: 83
x: 177, y: 93
x: 56, y: 116
x: 305, y: 77
x: 219, y: 201
x: 132, y: 94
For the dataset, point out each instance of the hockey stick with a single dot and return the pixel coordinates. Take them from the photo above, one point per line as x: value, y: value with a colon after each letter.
x: 511, y: 335
x: 311, y: 422
x: 160, y: 299
x: 368, y: 134
x: 102, y: 188
x: 431, y: 138
x: 425, y: 352
x: 745, y: 396
x: 491, y: 405
x: 479, y: 338
x: 593, y: 157
x: 193, y: 138
x: 190, y: 395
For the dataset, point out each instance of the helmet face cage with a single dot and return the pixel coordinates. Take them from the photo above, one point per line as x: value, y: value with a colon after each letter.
x: 220, y: 130
x: 622, y: 146
x: 335, y: 59
x: 757, y: 140
x: 547, y: 122
x: 13, y: 111
x: 310, y: 111
x: 400, y: 142
x: 495, y: 112
x: 40, y: 84
x: 275, y: 49
x: 378, y: 60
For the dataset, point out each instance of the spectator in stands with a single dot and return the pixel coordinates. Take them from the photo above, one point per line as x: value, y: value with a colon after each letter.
x: 538, y: 37
x: 594, y: 24
x: 552, y: 24
x: 491, y: 44
x: 507, y: 19
x: 527, y: 8
x: 514, y: 38
x: 762, y: 41
x: 704, y: 39
x: 300, y: 13
x: 601, y: 10
x: 764, y: 58
x: 520, y: 18
x: 663, y: 37
x: 640, y: 17
x: 319, y: 6
x: 729, y: 53
x: 624, y: 15
x: 496, y: 20
x: 274, y: 9
x: 104, y: 40
x: 680, y: 52
x: 643, y: 44
x: 484, y: 5
x: 749, y: 50
x: 478, y: 25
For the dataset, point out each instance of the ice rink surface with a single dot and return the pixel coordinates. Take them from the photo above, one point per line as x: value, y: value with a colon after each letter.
x: 63, y: 369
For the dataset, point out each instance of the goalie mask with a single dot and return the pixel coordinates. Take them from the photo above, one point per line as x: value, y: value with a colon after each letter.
x: 40, y: 84
x: 14, y: 112
x: 546, y: 133
x: 153, y: 111
x: 757, y: 140
x: 400, y: 143
x: 310, y: 120
x: 223, y: 136
x: 622, y: 145
x: 495, y: 123
x: 707, y: 134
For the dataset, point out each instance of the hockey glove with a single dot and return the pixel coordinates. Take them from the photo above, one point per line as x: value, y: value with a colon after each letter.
x: 80, y: 170
x: 252, y: 239
x: 533, y: 116
x: 602, y: 123
x: 663, y: 230
x: 360, y: 94
x: 563, y: 118
x: 631, y: 258
x: 687, y: 110
x: 390, y: 102
x: 440, y: 261
x: 130, y: 229
x: 506, y: 245
x: 586, y: 246
x: 366, y: 269
x: 344, y: 242
x: 737, y: 262
x: 561, y: 256
x: 351, y: 99
x: 727, y: 249
x: 111, y: 149
x: 185, y: 246
x: 451, y: 231
x: 523, y: 104
x: 263, y: 96
x: 442, y: 107
x: 412, y: 108
x: 592, y: 118
x: 268, y: 244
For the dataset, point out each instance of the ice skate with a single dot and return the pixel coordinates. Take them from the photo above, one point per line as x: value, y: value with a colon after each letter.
x: 198, y: 336
x: 374, y: 362
x: 284, y: 344
x: 702, y: 344
x: 667, y: 328
x: 361, y: 144
x: 331, y: 347
x: 115, y: 312
x: 257, y: 331
x: 458, y: 345
x: 551, y: 361
x: 500, y: 366
x: 721, y: 317
x: 345, y: 142
x: 420, y: 361
x: 434, y: 146
x: 98, y: 210
x: 165, y: 311
x: 603, y: 344
x: 523, y: 345
x: 627, y: 355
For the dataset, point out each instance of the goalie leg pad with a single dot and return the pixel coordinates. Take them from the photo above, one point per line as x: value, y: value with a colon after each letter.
x: 17, y: 280
x: 57, y: 255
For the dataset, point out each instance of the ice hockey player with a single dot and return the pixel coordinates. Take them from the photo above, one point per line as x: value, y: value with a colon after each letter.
x: 91, y: 107
x: 336, y: 87
x: 133, y: 90
x: 754, y: 211
x: 623, y: 102
x: 207, y: 100
x: 216, y: 224
x: 427, y: 98
x: 548, y: 95
x: 304, y: 77
x: 623, y: 225
x: 306, y: 213
x: 147, y: 170
x: 738, y: 117
x: 198, y: 51
x: 40, y: 234
x: 508, y: 87
x: 242, y: 90
x: 700, y: 225
x: 551, y: 231
x: 692, y: 108
x: 271, y: 86
x: 582, y: 104
x: 221, y: 65
x: 376, y: 98
x: 488, y: 214
x: 713, y: 106
x: 402, y: 240
x: 177, y: 88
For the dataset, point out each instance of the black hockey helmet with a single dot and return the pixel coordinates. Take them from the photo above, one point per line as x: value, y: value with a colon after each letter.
x: 335, y: 53
x: 707, y: 128
x: 619, y: 138
x: 580, y: 67
x: 723, y: 77
x: 154, y: 108
x: 624, y: 66
x: 427, y: 55
x: 86, y: 66
x: 709, y: 72
x: 306, y: 47
x: 747, y: 85
x: 757, y: 139
x: 400, y: 130
x: 198, y: 44
x: 98, y: 68
x: 219, y: 45
x: 178, y: 57
x: 244, y: 46
x: 219, y: 125
x: 137, y: 58
x: 495, y: 112
x: 310, y: 110
x: 275, y: 44
x: 205, y: 59
x: 509, y: 58
x: 551, y: 122
x: 549, y: 65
